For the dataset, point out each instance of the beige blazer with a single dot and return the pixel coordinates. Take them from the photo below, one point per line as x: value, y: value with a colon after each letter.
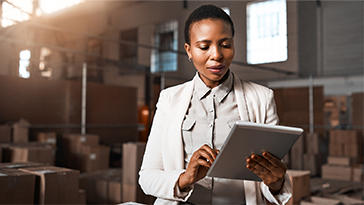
x: 163, y: 159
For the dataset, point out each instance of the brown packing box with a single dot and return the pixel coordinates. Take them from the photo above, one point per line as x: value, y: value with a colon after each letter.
x: 336, y: 172
x: 47, y: 137
x: 358, y: 173
x: 16, y: 187
x: 94, y: 158
x: 315, y: 200
x: 81, y: 197
x: 132, y: 159
x: 72, y: 147
x: 40, y: 154
x: 313, y: 163
x: 341, y: 160
x: 88, y: 182
x: 301, y: 185
x: 55, y: 185
x: 5, y: 134
x: 115, y: 194
x: 74, y: 142
x: 314, y: 143
x: 21, y: 131
x: 354, y: 150
x: 108, y: 190
x: 297, y: 151
x: 17, y: 165
x: 336, y: 149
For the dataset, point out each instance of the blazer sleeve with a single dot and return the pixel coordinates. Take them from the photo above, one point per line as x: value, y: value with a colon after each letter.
x: 153, y: 178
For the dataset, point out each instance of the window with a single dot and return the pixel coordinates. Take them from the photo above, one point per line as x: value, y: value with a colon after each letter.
x: 24, y: 64
x: 266, y: 31
x: 44, y: 67
x: 166, y: 40
x: 14, y: 11
x: 129, y: 53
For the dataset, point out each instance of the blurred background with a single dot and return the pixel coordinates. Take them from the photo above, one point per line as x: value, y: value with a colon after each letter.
x: 87, y: 74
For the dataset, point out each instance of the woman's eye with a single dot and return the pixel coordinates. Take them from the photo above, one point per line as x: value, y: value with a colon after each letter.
x: 226, y: 45
x: 204, y: 47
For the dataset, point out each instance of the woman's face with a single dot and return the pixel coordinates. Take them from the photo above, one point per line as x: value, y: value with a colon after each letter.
x: 211, y: 49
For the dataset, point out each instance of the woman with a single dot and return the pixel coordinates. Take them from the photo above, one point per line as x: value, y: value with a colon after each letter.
x: 193, y: 120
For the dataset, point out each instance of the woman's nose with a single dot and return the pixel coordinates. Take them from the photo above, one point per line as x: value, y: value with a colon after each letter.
x: 216, y: 53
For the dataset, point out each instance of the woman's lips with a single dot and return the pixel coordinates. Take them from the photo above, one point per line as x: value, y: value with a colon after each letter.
x: 216, y: 69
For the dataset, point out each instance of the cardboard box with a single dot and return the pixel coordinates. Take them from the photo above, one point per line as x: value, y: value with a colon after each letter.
x: 315, y: 144
x: 341, y: 160
x: 5, y: 134
x: 73, y: 147
x: 88, y: 181
x: 133, y: 153
x: 115, y: 194
x: 314, y: 200
x: 301, y: 185
x: 16, y: 187
x: 313, y: 163
x: 17, y: 165
x: 354, y: 150
x: 336, y: 172
x: 108, y: 190
x: 297, y: 152
x: 358, y: 173
x: 40, y: 154
x: 21, y: 131
x: 47, y: 137
x: 55, y: 185
x: 336, y: 149
x: 81, y: 197
x: 95, y: 158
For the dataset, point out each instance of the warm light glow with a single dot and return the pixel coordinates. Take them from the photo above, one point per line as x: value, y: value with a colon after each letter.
x: 24, y: 64
x: 48, y: 6
x: 16, y: 11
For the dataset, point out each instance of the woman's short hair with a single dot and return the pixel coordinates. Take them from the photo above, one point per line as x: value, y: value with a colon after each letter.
x: 206, y: 12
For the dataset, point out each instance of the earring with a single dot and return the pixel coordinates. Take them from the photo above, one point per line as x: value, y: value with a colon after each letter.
x: 189, y: 59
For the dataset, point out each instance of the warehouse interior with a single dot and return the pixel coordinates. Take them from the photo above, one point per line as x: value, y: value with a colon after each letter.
x: 80, y: 80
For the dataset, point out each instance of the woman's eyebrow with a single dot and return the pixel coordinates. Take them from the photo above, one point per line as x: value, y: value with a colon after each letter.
x: 209, y: 41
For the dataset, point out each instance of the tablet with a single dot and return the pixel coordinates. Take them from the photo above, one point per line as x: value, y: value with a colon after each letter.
x: 246, y: 138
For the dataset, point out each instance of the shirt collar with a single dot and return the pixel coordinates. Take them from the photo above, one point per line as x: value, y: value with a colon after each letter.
x: 220, y: 91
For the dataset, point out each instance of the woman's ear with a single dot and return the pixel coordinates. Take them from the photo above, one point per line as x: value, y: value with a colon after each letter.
x: 188, y: 50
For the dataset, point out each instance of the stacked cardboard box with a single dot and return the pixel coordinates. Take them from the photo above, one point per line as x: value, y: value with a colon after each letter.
x: 132, y: 159
x: 16, y: 187
x: 5, y: 134
x: 27, y: 152
x: 55, y: 185
x: 315, y: 154
x: 296, y: 153
x: 47, y: 137
x: 301, y: 185
x: 94, y: 158
x: 102, y: 186
x: 345, y: 156
x: 83, y: 152
x: 21, y: 131
x: 32, y: 153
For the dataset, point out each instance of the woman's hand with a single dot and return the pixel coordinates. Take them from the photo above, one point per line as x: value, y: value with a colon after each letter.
x: 269, y: 168
x: 198, y: 166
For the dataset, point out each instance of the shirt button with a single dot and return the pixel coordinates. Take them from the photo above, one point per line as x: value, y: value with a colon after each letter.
x: 211, y: 110
x: 210, y: 125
